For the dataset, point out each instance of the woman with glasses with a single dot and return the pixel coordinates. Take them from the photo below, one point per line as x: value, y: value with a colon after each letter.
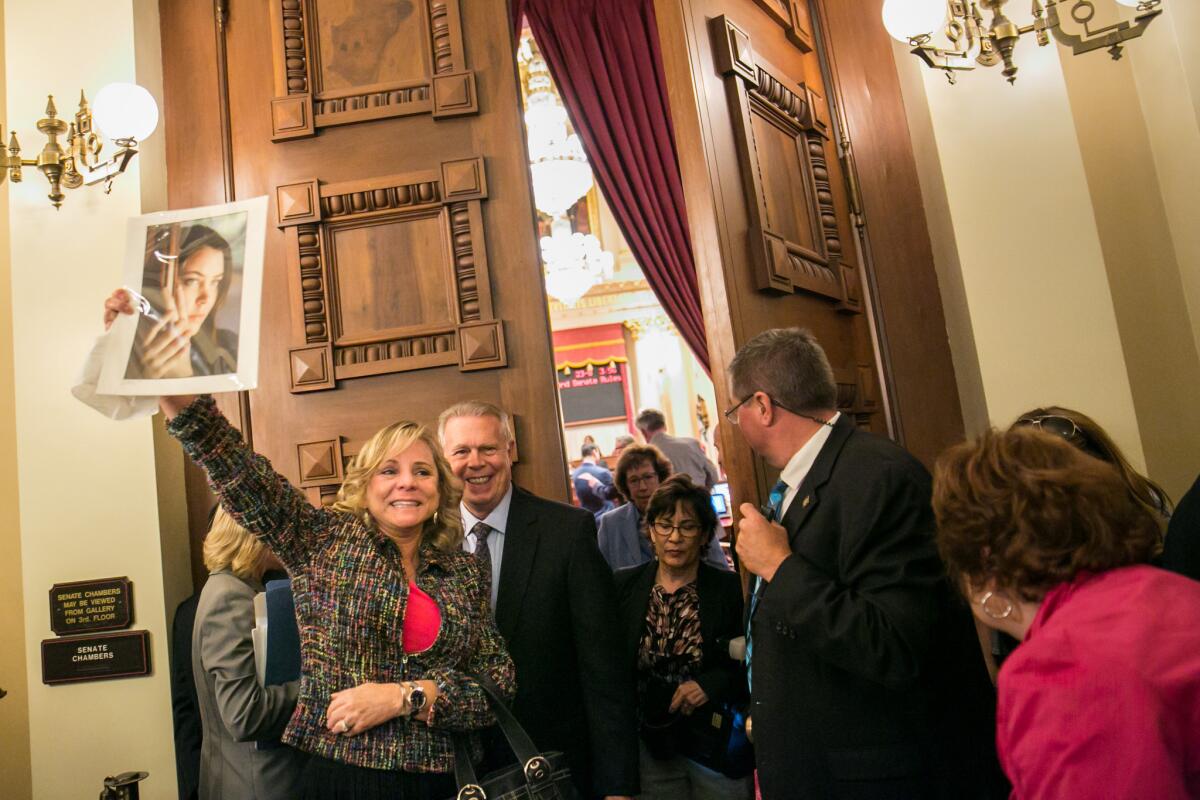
x: 623, y: 538
x: 677, y: 616
x: 1102, y: 698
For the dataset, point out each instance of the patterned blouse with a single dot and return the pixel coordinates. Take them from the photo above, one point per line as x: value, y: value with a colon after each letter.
x: 351, y: 596
x: 670, y: 650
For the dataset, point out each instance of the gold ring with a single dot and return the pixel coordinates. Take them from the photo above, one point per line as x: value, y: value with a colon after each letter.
x: 343, y: 727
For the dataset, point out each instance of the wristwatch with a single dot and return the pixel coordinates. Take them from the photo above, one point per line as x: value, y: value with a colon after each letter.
x: 416, y: 698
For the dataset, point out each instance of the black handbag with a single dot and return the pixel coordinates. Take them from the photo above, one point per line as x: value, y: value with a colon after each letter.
x: 714, y: 736
x: 535, y: 776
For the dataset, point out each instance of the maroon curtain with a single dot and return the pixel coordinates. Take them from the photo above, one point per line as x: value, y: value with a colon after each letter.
x: 604, y: 55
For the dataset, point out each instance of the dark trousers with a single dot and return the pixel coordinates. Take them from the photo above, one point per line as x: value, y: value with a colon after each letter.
x: 332, y: 780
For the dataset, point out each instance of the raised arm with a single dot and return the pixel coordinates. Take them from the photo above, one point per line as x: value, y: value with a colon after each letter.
x: 254, y: 494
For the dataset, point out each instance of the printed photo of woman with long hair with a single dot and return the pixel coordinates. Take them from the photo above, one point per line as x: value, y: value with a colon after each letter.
x: 191, y: 284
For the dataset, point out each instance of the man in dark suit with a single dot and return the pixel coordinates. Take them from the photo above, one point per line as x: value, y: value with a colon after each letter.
x: 866, y: 678
x: 552, y: 594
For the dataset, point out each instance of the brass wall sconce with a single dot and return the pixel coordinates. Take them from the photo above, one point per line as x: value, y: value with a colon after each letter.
x: 974, y: 42
x: 125, y: 112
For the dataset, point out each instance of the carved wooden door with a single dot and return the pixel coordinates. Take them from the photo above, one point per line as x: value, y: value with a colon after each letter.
x: 769, y: 139
x: 401, y: 271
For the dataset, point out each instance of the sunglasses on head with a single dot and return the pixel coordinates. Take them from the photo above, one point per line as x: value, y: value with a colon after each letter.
x: 1064, y: 428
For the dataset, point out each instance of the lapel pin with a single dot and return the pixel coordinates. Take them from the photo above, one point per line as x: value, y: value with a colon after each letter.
x: 804, y: 503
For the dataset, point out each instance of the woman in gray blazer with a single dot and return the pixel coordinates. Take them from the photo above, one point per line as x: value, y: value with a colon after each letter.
x: 235, y: 708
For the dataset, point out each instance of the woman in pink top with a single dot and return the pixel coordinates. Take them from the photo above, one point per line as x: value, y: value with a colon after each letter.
x: 1102, y: 697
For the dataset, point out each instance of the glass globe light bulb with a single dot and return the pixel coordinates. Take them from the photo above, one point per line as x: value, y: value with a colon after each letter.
x: 905, y: 20
x: 125, y: 111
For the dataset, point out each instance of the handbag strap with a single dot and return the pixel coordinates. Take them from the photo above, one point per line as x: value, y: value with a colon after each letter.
x: 534, y: 765
x: 518, y: 739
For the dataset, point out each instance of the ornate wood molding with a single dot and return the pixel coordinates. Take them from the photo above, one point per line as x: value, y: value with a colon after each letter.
x: 446, y: 203
x: 782, y: 128
x: 302, y: 106
x: 794, y: 17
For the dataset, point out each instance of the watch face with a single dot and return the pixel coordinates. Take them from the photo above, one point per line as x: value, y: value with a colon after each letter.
x: 417, y: 698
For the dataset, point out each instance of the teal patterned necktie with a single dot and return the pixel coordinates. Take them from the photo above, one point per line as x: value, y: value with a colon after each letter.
x: 778, y: 492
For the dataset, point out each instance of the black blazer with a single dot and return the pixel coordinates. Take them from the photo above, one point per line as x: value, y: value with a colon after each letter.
x: 721, y: 619
x: 868, y: 679
x: 556, y: 610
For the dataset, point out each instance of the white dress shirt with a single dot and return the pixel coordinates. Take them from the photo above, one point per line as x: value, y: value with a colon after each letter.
x: 801, y: 462
x: 498, y: 522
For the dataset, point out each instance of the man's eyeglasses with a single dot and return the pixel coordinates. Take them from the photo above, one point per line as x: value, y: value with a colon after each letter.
x: 731, y: 413
x: 663, y: 528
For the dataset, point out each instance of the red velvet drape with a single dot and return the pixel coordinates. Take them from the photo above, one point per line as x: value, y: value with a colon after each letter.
x: 605, y: 57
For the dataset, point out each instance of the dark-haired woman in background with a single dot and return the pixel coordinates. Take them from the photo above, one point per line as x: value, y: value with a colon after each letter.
x: 677, y: 616
x: 1102, y: 698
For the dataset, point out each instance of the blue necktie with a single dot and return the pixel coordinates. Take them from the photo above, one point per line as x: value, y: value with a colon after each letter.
x: 778, y: 492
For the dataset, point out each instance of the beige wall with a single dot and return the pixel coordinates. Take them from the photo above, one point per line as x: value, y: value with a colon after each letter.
x: 1062, y: 212
x: 15, y: 774
x: 88, y: 495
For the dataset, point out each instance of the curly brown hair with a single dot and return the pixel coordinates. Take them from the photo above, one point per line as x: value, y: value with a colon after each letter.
x: 634, y: 456
x: 1029, y: 511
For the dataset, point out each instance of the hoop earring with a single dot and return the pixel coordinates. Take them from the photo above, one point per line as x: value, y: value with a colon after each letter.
x: 435, y: 517
x: 1003, y: 613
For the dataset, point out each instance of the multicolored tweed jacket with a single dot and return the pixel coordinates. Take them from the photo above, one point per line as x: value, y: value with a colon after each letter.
x: 350, y: 601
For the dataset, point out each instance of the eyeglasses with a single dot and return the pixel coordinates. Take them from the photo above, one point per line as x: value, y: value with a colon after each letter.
x: 1064, y: 428
x: 730, y: 412
x: 663, y: 529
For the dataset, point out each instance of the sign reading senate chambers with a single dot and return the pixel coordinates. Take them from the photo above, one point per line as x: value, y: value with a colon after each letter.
x: 96, y: 605
x: 93, y: 658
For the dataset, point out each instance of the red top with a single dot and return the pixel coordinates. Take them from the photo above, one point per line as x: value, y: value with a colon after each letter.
x: 422, y: 620
x: 1102, y: 699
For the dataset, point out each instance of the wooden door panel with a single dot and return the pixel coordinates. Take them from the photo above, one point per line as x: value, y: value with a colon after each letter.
x: 402, y: 271
x: 339, y: 62
x: 766, y: 133
x: 389, y: 275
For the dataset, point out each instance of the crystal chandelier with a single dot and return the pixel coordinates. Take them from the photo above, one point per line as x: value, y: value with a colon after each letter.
x: 560, y: 170
x: 574, y: 263
x: 987, y: 44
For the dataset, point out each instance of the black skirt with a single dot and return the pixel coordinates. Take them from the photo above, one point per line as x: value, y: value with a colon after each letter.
x: 324, y: 779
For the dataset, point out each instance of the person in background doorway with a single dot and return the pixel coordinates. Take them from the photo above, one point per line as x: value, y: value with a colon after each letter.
x: 619, y: 445
x: 623, y: 537
x: 593, y: 483
x: 589, y: 439
x: 1102, y: 698
x: 684, y: 453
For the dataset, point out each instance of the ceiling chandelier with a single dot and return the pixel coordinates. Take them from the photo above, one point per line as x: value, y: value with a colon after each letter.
x: 972, y: 41
x: 574, y: 262
x: 560, y: 170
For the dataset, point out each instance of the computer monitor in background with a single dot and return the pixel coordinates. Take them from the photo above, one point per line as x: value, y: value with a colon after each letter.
x: 722, y: 502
